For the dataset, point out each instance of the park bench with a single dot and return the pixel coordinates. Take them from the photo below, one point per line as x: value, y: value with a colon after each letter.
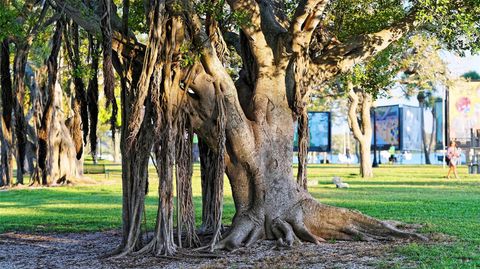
x: 91, y: 168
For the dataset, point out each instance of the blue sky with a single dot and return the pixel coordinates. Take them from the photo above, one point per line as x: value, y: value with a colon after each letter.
x: 457, y: 66
x: 460, y: 65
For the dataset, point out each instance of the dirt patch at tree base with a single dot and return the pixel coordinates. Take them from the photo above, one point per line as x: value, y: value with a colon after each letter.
x: 84, y: 250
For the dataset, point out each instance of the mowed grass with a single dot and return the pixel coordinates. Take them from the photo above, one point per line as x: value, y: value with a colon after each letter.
x: 412, y: 194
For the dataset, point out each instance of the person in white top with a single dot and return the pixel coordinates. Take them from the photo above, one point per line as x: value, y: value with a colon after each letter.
x: 453, y: 155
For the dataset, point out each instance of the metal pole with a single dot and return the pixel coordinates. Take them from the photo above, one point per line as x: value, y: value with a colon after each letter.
x: 374, y: 164
x: 444, y: 136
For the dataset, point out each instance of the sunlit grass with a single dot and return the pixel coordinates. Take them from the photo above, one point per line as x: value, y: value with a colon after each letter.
x: 413, y: 194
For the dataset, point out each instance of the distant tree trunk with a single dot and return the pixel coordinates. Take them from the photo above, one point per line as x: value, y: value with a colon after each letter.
x: 360, y: 104
x: 433, y: 133
x: 92, y: 95
x: 79, y: 127
x: 2, y: 178
x: 56, y: 149
x: 425, y: 147
x: 20, y: 63
x: 7, y: 111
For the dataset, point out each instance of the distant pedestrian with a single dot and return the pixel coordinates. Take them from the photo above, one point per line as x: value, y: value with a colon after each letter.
x: 453, y: 155
x: 392, y: 159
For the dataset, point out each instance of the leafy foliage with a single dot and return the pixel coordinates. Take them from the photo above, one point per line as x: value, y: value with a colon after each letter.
x: 377, y: 75
x: 348, y: 18
x: 456, y: 23
x: 423, y: 69
x: 220, y: 12
x: 8, y: 24
x: 472, y: 75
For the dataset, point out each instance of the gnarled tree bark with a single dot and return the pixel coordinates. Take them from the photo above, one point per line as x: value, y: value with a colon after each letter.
x: 56, y: 153
x: 360, y: 104
x: 260, y: 110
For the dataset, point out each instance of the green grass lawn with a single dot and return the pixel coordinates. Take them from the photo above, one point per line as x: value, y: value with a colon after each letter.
x: 412, y: 194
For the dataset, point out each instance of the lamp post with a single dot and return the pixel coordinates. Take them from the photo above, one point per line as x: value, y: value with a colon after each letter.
x: 421, y: 96
x: 375, y: 163
x: 444, y: 128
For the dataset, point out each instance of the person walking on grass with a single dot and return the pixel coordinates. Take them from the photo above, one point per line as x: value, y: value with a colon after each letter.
x: 453, y: 155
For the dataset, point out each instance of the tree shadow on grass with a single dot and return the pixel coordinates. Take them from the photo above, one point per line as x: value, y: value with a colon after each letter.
x: 72, y: 211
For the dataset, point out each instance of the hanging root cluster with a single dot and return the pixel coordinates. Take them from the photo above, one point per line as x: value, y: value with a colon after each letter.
x: 300, y: 68
x: 158, y: 121
x: 109, y: 77
x: 212, y: 170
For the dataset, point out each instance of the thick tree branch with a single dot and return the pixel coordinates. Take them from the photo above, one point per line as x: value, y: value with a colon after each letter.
x: 213, y: 67
x: 306, y: 18
x: 340, y: 58
x: 257, y: 39
x: 352, y: 112
x: 79, y: 13
x: 90, y: 21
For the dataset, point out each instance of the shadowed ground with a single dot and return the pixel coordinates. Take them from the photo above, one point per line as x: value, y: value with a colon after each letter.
x: 79, y: 251
x: 411, y: 194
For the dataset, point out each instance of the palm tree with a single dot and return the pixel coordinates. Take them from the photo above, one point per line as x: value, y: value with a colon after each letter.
x: 426, y: 100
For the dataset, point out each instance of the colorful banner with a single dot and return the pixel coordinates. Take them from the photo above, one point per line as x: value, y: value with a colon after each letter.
x: 439, y: 127
x: 464, y: 109
x: 411, y: 128
x: 387, y: 127
x: 319, y: 126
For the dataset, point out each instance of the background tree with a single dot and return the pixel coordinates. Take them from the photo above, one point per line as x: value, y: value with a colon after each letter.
x: 423, y: 72
x: 472, y: 75
x: 365, y: 84
x: 8, y: 16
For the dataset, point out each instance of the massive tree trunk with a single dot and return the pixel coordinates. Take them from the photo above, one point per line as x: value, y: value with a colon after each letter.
x: 259, y: 133
x: 248, y: 124
x: 360, y: 103
x: 433, y: 133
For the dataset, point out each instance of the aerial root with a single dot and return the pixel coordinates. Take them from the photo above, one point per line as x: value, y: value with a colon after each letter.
x: 120, y: 252
x: 146, y: 249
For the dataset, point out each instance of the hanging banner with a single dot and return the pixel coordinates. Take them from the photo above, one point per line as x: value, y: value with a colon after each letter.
x: 320, y: 130
x: 439, y: 127
x: 387, y: 125
x: 411, y: 130
x: 464, y: 109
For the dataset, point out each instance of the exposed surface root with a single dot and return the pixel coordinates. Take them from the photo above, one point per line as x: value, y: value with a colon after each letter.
x: 313, y: 222
x: 246, y: 230
x: 157, y: 249
x: 343, y: 224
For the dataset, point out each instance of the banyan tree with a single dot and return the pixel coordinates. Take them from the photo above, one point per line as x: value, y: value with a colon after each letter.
x: 179, y: 79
